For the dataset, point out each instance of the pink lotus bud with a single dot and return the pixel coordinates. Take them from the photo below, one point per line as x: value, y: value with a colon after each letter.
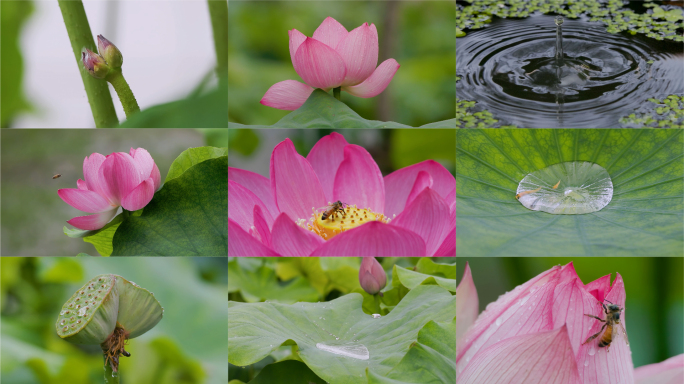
x: 109, y: 52
x: 371, y: 276
x: 121, y: 179
x: 95, y: 64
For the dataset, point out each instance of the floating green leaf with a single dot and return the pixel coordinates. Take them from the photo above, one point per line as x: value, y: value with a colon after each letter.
x: 256, y: 329
x: 261, y: 283
x: 431, y: 360
x: 643, y: 218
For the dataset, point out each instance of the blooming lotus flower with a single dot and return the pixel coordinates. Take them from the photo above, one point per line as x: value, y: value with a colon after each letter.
x: 121, y: 179
x: 333, y: 58
x: 410, y: 212
x: 371, y: 276
x: 537, y: 332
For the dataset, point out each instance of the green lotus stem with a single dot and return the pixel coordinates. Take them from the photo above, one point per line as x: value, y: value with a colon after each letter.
x: 80, y: 36
x: 337, y: 93
x: 130, y: 105
x: 109, y: 375
x: 218, y: 11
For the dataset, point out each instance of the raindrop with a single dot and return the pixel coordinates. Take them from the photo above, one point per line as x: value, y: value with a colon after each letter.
x: 586, y: 362
x: 337, y: 338
x: 499, y: 321
x: 569, y: 188
x: 355, y: 351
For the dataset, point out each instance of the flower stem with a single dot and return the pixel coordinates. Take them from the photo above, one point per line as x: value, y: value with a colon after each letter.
x: 336, y: 92
x: 218, y: 11
x: 110, y: 377
x: 130, y: 105
x: 80, y: 36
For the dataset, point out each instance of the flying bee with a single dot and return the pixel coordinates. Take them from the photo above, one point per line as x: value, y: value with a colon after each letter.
x: 336, y: 207
x: 611, y: 325
x: 57, y: 176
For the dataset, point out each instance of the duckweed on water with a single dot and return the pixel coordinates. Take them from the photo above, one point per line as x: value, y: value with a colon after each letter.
x: 465, y: 118
x: 660, y: 23
x: 667, y: 113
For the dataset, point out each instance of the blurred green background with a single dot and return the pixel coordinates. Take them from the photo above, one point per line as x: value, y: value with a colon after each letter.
x: 188, y: 346
x: 301, y: 279
x: 392, y: 149
x: 418, y: 34
x: 654, y: 286
x: 32, y: 213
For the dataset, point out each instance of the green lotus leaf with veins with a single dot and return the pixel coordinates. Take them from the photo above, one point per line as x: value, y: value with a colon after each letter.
x: 644, y: 216
x: 336, y: 339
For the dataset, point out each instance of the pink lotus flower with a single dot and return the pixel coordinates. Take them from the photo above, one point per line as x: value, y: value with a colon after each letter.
x: 410, y: 212
x: 333, y: 58
x: 371, y: 276
x: 537, y: 332
x: 121, y: 179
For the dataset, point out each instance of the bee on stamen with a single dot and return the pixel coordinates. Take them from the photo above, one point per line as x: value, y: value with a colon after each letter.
x: 332, y: 209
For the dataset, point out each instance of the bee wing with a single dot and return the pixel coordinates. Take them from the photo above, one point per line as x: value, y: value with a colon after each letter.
x: 624, y: 332
x: 323, y: 208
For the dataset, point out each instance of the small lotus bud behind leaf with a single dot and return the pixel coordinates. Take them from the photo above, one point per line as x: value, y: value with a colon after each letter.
x: 89, y: 316
x: 139, y: 310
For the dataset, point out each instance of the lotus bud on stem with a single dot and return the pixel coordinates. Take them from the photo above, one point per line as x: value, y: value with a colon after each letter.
x: 372, y: 277
x: 107, y: 65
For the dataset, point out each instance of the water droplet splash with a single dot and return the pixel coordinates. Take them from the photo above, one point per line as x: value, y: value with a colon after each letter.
x: 570, y: 188
x: 510, y: 68
x: 355, y: 351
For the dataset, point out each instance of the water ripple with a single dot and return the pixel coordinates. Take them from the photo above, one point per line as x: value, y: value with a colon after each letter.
x: 508, y: 68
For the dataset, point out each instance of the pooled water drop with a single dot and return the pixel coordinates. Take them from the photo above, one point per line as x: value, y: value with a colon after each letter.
x: 82, y: 311
x: 569, y: 188
x: 376, y: 316
x: 355, y: 351
x: 337, y: 338
x: 592, y: 350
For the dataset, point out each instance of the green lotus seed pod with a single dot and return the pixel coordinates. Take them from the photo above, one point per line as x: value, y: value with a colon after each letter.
x: 89, y: 316
x: 139, y: 310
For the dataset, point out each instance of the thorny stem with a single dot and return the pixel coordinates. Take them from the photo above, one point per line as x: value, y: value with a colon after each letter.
x: 80, y: 36
x: 336, y: 92
x: 130, y: 105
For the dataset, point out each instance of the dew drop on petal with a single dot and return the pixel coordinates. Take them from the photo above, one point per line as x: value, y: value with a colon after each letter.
x: 580, y: 187
x: 592, y: 350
